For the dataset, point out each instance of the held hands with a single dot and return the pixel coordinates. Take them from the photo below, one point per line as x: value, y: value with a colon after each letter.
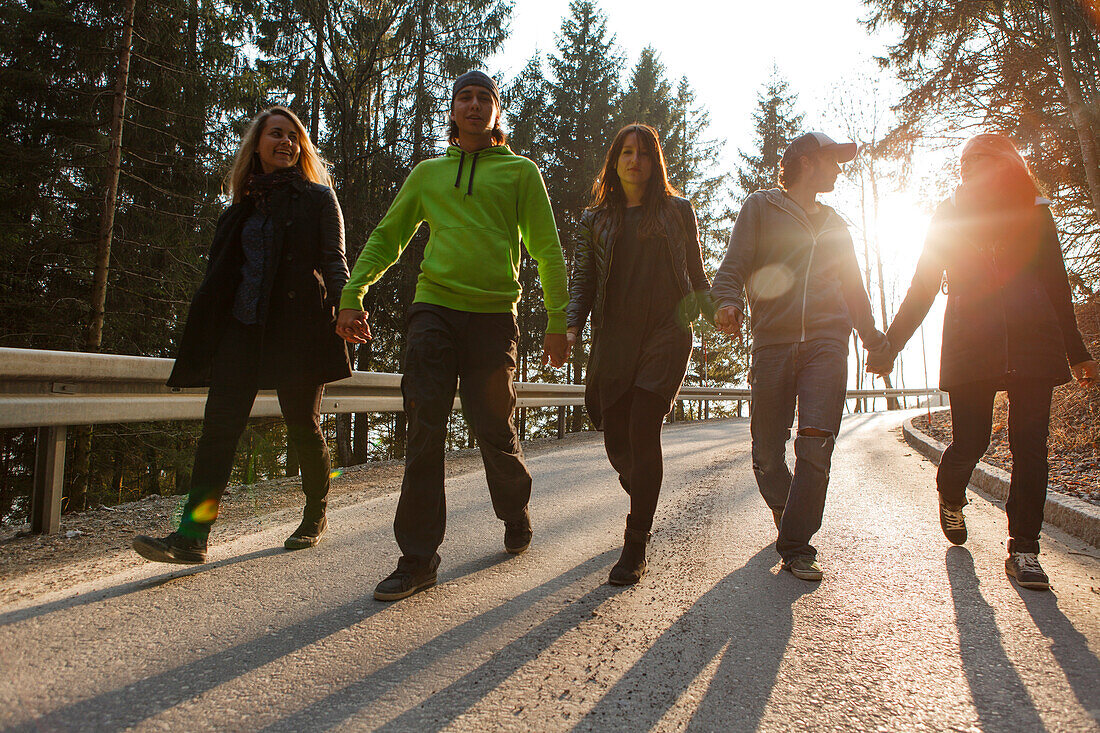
x: 555, y: 349
x: 880, y: 355
x: 1087, y: 373
x: 352, y: 326
x: 728, y: 320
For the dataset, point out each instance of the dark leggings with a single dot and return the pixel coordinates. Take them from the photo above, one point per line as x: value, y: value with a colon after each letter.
x: 234, y: 382
x: 632, y: 436
x: 1028, y: 426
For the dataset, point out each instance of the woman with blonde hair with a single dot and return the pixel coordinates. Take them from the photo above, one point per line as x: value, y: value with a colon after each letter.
x: 639, y: 274
x: 263, y: 317
x: 1009, y: 326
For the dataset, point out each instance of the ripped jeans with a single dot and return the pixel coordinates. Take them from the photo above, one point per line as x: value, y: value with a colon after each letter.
x: 815, y: 374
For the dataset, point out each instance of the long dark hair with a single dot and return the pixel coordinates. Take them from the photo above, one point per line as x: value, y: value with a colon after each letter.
x: 607, y: 190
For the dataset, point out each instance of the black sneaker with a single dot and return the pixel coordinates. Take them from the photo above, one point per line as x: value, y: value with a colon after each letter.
x: 517, y: 534
x: 410, y: 577
x: 953, y: 524
x: 1025, y: 568
x: 175, y: 548
x: 308, y: 534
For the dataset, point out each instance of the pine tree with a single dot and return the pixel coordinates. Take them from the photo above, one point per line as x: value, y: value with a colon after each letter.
x: 648, y: 97
x: 776, y: 124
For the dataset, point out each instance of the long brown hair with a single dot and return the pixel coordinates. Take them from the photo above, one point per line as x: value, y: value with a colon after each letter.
x: 607, y: 190
x: 246, y: 162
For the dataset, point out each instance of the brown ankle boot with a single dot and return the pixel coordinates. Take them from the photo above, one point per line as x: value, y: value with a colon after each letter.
x: 631, y: 565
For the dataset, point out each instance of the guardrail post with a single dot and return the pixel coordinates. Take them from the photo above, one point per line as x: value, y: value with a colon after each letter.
x: 49, y: 478
x: 561, y: 421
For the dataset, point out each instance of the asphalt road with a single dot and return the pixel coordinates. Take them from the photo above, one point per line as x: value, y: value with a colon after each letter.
x: 905, y: 632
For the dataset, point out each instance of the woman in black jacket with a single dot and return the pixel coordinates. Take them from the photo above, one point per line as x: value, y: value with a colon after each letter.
x: 639, y: 273
x: 1009, y: 325
x: 263, y: 318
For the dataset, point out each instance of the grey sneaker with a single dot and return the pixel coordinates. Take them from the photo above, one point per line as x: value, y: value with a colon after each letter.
x: 1025, y: 568
x: 953, y: 524
x: 805, y: 568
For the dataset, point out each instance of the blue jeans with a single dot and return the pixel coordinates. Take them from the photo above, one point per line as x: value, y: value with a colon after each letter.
x: 815, y: 375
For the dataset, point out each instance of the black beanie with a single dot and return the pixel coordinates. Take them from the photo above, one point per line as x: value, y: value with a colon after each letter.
x: 476, y: 78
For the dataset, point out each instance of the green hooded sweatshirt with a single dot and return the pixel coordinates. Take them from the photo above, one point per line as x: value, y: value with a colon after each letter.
x: 478, y: 205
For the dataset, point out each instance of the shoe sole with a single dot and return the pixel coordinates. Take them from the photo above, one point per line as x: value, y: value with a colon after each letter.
x: 156, y: 554
x: 1029, y: 584
x: 516, y: 550
x: 301, y: 543
x: 380, y: 596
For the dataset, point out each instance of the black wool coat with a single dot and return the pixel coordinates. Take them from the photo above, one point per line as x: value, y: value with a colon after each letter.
x: 300, y: 345
x: 1009, y: 311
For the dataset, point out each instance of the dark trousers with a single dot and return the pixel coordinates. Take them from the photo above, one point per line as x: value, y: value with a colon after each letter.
x: 815, y: 375
x: 1028, y: 427
x: 632, y: 436
x: 478, y: 350
x: 233, y: 388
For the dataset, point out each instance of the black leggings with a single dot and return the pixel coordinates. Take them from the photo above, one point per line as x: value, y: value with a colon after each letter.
x: 632, y: 436
x: 1028, y: 426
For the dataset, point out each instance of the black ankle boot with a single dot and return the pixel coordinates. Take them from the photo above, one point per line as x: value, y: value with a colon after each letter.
x: 308, y: 534
x: 631, y: 565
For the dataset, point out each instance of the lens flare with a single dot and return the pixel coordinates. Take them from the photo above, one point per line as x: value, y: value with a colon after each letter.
x: 205, y: 512
x: 336, y: 473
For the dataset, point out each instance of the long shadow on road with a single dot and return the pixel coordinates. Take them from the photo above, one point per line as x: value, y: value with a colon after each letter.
x: 746, y: 618
x: 134, y: 586
x: 450, y: 702
x: 129, y: 705
x: 999, y: 694
x: 1069, y: 647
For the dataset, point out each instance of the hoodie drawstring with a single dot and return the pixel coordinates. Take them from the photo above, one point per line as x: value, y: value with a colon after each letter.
x: 460, y: 162
x: 473, y: 166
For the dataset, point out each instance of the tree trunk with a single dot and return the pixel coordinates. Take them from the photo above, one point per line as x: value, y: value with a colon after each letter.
x: 1078, y: 111
x: 343, y: 439
x: 891, y: 402
x: 114, y: 159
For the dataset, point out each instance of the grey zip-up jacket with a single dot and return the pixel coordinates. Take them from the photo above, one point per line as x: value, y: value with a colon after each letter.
x: 801, y: 284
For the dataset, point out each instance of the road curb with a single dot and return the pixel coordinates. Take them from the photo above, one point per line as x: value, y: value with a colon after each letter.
x: 1068, y: 513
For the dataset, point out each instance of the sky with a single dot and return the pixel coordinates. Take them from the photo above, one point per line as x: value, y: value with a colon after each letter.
x: 726, y: 49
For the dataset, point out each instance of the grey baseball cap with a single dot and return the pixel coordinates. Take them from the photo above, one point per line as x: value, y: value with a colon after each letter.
x: 814, y: 142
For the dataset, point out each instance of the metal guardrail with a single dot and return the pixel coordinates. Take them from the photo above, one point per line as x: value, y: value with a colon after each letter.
x: 52, y: 390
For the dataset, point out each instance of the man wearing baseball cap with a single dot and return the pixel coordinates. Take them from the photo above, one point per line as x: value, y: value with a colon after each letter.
x: 479, y: 199
x: 793, y: 257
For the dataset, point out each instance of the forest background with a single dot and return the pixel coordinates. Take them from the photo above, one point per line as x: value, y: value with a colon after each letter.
x: 118, y: 121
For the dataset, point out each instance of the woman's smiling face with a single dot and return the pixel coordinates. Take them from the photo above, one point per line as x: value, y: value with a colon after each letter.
x: 278, y: 146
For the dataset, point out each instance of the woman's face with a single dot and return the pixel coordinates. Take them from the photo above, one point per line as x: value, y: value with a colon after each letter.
x: 278, y: 147
x: 982, y: 169
x: 635, y: 165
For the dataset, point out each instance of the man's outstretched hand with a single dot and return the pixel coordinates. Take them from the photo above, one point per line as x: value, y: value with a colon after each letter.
x: 728, y: 320
x: 555, y: 349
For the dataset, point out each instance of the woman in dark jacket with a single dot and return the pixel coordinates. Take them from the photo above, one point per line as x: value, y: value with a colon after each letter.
x: 639, y: 273
x: 1009, y: 325
x: 264, y: 318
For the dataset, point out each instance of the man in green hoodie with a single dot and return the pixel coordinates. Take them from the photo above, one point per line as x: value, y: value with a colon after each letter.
x: 479, y: 200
